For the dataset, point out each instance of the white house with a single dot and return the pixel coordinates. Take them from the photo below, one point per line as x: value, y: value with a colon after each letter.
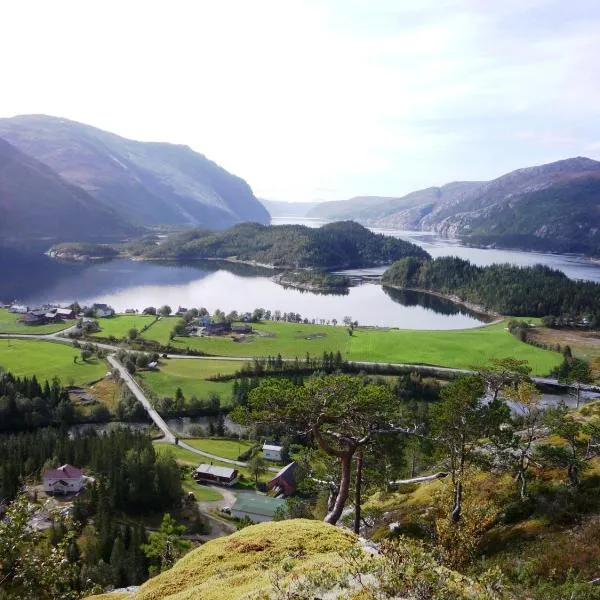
x: 19, y: 309
x: 272, y: 452
x: 64, y: 480
x: 103, y: 310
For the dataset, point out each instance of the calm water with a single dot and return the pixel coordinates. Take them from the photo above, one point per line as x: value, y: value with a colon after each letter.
x: 32, y: 278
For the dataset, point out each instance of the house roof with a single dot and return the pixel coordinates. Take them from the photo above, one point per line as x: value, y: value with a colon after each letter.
x: 272, y: 447
x: 67, y: 471
x: 287, y: 473
x: 216, y: 471
x: 63, y: 311
x: 255, y: 504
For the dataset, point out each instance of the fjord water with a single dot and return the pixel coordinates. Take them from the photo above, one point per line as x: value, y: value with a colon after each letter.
x: 32, y: 278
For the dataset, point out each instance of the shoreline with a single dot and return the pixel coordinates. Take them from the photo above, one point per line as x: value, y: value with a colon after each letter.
x: 492, y: 316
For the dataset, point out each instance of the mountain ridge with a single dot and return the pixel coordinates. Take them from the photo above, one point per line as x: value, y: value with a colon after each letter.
x: 555, y: 207
x: 147, y: 183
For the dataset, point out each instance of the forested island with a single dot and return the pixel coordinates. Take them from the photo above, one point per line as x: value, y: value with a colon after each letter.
x: 341, y: 245
x: 315, y: 281
x: 536, y: 291
x: 83, y: 251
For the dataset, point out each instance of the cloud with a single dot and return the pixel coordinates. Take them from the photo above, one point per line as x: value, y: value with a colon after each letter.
x: 319, y: 99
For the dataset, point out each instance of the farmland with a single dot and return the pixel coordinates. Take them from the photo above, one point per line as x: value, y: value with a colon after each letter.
x: 46, y: 360
x: 190, y: 375
x: 9, y: 324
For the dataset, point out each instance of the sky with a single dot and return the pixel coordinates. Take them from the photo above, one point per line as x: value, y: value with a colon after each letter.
x: 319, y: 100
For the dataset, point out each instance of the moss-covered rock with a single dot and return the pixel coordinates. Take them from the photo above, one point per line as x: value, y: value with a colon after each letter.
x: 229, y: 568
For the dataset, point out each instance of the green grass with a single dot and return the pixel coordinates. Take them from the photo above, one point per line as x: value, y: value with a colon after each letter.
x: 46, y: 360
x: 190, y: 375
x: 161, y: 330
x: 288, y: 339
x: 461, y: 349
x: 186, y: 457
x: 119, y: 325
x: 201, y: 492
x: 9, y: 324
x: 225, y: 448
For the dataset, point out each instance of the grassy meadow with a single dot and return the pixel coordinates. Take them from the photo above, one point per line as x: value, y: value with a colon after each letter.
x: 46, y: 360
x: 463, y: 348
x: 287, y: 339
x: 221, y: 447
x: 190, y: 375
x: 119, y: 325
x: 9, y: 324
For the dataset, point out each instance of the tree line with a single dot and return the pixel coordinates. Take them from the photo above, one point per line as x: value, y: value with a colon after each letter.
x: 536, y: 291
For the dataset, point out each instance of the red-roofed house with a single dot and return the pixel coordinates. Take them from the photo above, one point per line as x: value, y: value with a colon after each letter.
x: 64, y: 480
x: 285, y: 481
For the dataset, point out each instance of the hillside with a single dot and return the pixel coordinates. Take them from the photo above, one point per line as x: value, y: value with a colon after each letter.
x: 341, y: 245
x: 143, y: 182
x: 299, y: 559
x: 553, y: 207
x: 36, y: 202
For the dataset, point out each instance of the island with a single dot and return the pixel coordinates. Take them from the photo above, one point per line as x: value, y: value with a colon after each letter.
x: 315, y: 281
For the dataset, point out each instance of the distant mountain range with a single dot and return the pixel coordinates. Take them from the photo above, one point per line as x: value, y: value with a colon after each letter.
x: 278, y: 208
x: 128, y: 183
x: 553, y: 207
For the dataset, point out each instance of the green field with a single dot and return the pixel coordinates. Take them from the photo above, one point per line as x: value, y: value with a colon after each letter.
x: 161, y: 330
x: 202, y: 493
x: 9, y: 324
x: 457, y: 348
x: 190, y: 375
x: 287, y: 339
x: 186, y: 457
x: 462, y: 349
x: 46, y: 360
x: 119, y: 325
x: 219, y: 447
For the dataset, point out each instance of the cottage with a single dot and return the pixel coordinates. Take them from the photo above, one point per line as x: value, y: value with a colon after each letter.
x: 204, y: 320
x: 217, y: 328
x: 285, y: 481
x: 181, y: 310
x: 272, y: 451
x: 18, y: 308
x: 256, y: 507
x: 64, y: 480
x: 33, y: 319
x: 218, y: 475
x: 103, y: 310
x: 65, y: 313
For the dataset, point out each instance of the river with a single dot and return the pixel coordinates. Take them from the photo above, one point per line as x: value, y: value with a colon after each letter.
x: 33, y: 278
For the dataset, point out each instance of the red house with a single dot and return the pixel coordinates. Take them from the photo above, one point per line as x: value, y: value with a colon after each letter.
x: 217, y: 475
x: 285, y: 481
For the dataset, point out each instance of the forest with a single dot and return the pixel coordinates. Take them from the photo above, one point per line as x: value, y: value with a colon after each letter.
x: 337, y: 245
x: 536, y: 291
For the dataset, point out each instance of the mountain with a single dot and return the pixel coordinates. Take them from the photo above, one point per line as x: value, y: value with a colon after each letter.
x: 552, y: 207
x: 341, y: 245
x: 147, y: 183
x: 35, y: 202
x: 401, y: 213
x: 278, y: 208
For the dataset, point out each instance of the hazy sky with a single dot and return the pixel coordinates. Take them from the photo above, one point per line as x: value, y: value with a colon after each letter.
x: 319, y: 99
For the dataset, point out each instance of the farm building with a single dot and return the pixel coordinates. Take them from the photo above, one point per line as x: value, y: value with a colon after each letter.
x: 218, y: 475
x: 63, y: 480
x: 272, y: 451
x: 285, y: 481
x: 256, y: 507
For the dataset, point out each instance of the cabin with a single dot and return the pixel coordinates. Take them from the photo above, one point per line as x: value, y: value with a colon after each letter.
x: 217, y: 328
x: 217, y: 475
x: 102, y: 310
x: 272, y: 451
x: 181, y: 310
x: 285, y: 481
x: 256, y: 507
x: 64, y: 480
x: 65, y: 313
x: 33, y: 318
x: 19, y: 309
x: 204, y: 320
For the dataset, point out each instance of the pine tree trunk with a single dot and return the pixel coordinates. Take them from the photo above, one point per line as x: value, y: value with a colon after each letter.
x: 357, y: 494
x: 333, y: 516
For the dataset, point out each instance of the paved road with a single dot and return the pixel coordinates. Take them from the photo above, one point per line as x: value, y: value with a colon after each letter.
x: 139, y: 394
